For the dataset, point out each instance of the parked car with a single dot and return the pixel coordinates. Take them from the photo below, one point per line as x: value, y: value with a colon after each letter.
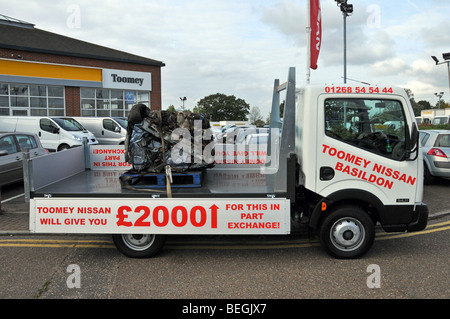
x: 107, y: 130
x: 215, y: 130
x: 441, y: 120
x: 55, y: 133
x: 243, y: 133
x: 229, y: 133
x: 11, y: 147
x: 260, y: 138
x: 436, y: 154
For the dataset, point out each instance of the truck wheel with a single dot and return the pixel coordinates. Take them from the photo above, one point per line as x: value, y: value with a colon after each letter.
x: 139, y: 245
x: 347, y: 232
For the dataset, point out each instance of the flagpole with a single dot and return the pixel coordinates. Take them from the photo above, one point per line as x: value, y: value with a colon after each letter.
x: 308, y: 41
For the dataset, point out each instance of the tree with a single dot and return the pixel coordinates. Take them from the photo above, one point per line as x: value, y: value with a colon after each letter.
x: 255, y: 117
x: 424, y: 105
x: 414, y: 104
x: 420, y: 106
x: 221, y: 107
x: 171, y: 108
x: 442, y: 105
x: 268, y: 119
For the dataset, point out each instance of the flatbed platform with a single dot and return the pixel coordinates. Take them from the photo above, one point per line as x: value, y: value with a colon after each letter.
x: 220, y: 182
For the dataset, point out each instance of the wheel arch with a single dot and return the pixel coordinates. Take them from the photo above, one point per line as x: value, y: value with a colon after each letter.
x: 357, y: 197
x: 63, y: 146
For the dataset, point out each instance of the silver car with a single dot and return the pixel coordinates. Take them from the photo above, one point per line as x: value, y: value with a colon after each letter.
x: 243, y: 133
x: 11, y: 147
x: 436, y: 154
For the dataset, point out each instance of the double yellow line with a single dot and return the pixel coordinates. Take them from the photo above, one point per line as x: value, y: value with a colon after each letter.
x: 56, y: 243
x: 428, y: 230
x: 207, y: 244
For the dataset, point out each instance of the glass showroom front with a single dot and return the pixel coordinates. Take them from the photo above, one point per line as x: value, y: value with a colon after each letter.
x: 29, y: 99
x: 107, y: 102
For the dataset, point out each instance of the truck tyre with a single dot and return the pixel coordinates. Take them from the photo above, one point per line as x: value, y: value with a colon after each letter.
x: 139, y: 245
x: 347, y: 232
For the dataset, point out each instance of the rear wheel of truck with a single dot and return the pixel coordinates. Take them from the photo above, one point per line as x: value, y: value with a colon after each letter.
x: 139, y: 245
x: 347, y: 232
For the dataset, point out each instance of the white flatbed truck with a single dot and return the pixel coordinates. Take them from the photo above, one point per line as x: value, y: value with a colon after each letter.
x: 332, y: 164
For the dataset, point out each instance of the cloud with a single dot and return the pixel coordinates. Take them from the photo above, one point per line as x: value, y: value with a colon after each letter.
x: 240, y: 47
x: 390, y: 67
x: 288, y: 18
x: 437, y: 35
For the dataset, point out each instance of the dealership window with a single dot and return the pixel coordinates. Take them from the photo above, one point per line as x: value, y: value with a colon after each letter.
x: 106, y: 102
x: 28, y: 99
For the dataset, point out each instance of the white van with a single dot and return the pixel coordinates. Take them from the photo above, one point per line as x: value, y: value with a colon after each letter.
x: 445, y: 119
x: 107, y: 130
x: 55, y: 133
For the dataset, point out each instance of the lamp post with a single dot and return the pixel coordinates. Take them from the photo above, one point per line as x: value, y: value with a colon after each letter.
x: 182, y: 101
x: 439, y: 95
x: 347, y: 10
x: 446, y: 57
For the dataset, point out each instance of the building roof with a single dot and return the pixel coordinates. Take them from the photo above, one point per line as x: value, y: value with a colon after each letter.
x: 21, y: 35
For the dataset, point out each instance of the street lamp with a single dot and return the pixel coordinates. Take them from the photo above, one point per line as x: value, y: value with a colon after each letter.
x: 182, y: 101
x: 347, y: 10
x: 446, y: 57
x: 439, y: 95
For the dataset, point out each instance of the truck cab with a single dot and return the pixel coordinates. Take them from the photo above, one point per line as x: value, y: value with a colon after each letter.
x: 354, y: 145
x: 357, y: 160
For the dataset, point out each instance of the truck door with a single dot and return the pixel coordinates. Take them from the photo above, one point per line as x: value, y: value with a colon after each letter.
x: 361, y: 146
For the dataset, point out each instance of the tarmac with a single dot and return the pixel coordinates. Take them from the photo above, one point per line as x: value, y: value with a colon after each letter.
x: 14, y: 217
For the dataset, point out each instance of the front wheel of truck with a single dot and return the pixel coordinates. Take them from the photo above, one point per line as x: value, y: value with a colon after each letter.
x: 139, y: 245
x: 347, y: 232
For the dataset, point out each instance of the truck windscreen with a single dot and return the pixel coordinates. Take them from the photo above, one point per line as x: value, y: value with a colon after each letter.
x: 375, y: 125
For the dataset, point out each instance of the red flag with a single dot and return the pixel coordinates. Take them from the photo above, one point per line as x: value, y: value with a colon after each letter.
x: 316, y: 32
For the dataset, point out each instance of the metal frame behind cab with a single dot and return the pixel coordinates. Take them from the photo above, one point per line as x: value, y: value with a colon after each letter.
x: 287, y: 126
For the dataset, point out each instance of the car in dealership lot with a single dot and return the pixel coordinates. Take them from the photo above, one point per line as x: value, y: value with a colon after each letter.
x: 243, y: 133
x: 259, y: 138
x: 229, y: 133
x: 436, y: 154
x: 12, y: 144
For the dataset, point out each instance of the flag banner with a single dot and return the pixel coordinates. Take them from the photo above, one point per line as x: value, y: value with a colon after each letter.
x: 316, y: 32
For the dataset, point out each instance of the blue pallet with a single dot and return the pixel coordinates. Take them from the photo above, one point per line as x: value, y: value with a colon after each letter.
x: 155, y: 180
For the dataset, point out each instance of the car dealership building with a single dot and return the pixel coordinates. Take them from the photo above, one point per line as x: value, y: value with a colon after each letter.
x: 47, y: 74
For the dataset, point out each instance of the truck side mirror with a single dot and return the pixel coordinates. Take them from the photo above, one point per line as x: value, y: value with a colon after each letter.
x: 414, y: 136
x: 55, y: 130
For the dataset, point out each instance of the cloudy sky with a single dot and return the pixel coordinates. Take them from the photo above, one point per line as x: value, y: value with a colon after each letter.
x: 238, y: 47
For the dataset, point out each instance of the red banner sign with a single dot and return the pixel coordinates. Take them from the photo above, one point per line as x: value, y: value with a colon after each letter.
x: 316, y: 32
